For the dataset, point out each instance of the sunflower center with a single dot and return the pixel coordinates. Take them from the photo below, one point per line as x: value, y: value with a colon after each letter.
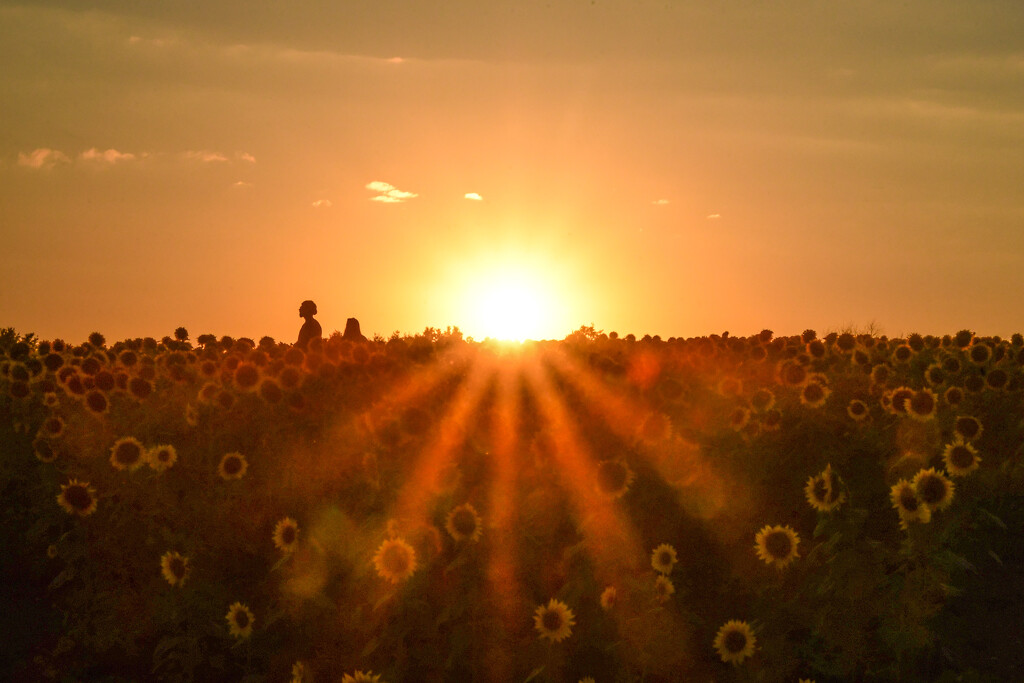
x: 396, y: 560
x: 665, y: 558
x: 78, y: 497
x: 922, y: 403
x: 288, y: 535
x: 611, y: 476
x: 735, y: 641
x: 464, y: 522
x: 820, y: 490
x: 932, y: 489
x: 961, y: 457
x: 177, y: 567
x: 967, y: 427
x: 908, y: 499
x: 778, y: 544
x: 813, y: 392
x: 128, y: 454
x: 241, y: 619
x: 552, y: 620
x: 232, y: 465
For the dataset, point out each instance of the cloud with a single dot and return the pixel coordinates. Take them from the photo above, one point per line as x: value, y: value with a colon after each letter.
x: 43, y: 158
x: 660, y: 202
x: 388, y: 193
x: 204, y: 156
x: 474, y: 196
x: 242, y: 185
x: 111, y: 156
x: 245, y: 156
x: 714, y: 216
x: 323, y: 204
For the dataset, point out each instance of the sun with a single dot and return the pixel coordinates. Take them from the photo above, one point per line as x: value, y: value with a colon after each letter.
x: 510, y: 307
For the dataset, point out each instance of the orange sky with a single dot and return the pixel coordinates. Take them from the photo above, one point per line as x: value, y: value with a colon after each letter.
x: 665, y: 168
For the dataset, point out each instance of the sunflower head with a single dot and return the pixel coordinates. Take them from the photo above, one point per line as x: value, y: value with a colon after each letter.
x: 934, y: 488
x: 967, y: 427
x: 857, y: 409
x: 614, y: 478
x: 77, y: 498
x: 922, y: 405
x: 777, y: 545
x: 663, y: 588
x: 554, y: 621
x: 127, y: 454
x: 232, y: 466
x: 286, y: 535
x: 175, y: 567
x: 961, y: 457
x: 464, y: 523
x: 814, y: 393
x: 909, y: 504
x: 395, y: 560
x: 735, y: 641
x: 361, y: 677
x: 822, y: 491
x: 609, y: 596
x: 762, y: 400
x: 240, y: 619
x: 162, y: 457
x: 664, y: 558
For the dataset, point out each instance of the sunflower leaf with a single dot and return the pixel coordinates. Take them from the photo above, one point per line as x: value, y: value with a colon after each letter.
x: 533, y: 674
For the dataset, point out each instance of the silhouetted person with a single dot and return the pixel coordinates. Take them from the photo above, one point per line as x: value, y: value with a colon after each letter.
x: 311, y: 328
x: 352, y: 331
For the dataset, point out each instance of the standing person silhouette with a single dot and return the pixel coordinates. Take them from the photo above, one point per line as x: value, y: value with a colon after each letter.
x: 311, y: 328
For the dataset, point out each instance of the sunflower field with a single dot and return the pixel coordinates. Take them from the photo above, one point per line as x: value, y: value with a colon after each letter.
x: 428, y: 508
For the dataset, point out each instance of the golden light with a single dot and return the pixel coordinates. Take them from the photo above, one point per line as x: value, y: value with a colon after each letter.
x: 510, y: 297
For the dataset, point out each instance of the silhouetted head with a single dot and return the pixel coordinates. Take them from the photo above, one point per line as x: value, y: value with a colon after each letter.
x: 307, y: 309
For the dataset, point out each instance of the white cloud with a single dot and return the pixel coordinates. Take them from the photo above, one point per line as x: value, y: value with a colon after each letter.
x: 110, y: 156
x: 245, y: 156
x: 388, y: 193
x: 474, y: 196
x: 242, y: 185
x: 42, y: 158
x: 714, y: 216
x: 323, y: 203
x: 205, y: 156
x: 660, y: 202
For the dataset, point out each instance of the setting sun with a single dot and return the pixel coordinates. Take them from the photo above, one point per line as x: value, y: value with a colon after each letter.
x: 510, y: 309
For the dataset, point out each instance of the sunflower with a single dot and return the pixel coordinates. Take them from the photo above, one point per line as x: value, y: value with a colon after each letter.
x: 127, y: 454
x: 175, y: 567
x: 771, y: 421
x: 953, y: 395
x: 240, y: 619
x: 555, y: 621
x: 301, y: 673
x: 464, y: 524
x: 140, y: 387
x: 902, y: 353
x: 286, y: 535
x: 762, y: 400
x: 656, y: 428
x: 52, y: 427
x: 979, y: 353
x: 663, y: 588
x: 44, y: 449
x: 97, y: 402
x: 968, y: 428
x: 996, y: 379
x: 922, y: 405
x: 900, y: 397
x: 162, y: 457
x: 664, y: 558
x: 857, y: 409
x: 934, y: 488
x: 935, y: 375
x: 609, y: 596
x: 814, y: 393
x: 961, y: 457
x: 822, y: 491
x: 614, y: 478
x: 776, y: 545
x: 908, y: 504
x: 360, y: 677
x: 395, y: 560
x: 739, y: 418
x: 246, y: 376
x: 78, y: 498
x: 735, y: 641
x: 270, y: 391
x: 232, y: 466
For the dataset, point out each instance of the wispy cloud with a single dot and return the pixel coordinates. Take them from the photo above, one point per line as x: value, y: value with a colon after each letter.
x: 474, y: 196
x: 323, y: 204
x: 388, y: 193
x: 660, y: 202
x: 242, y: 185
x: 204, y: 156
x: 245, y: 156
x: 43, y: 158
x: 714, y: 216
x: 110, y: 156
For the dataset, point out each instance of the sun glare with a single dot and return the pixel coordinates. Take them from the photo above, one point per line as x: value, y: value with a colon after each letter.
x: 510, y: 309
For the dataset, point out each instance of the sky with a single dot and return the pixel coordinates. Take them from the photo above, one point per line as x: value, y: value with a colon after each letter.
x: 671, y: 168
